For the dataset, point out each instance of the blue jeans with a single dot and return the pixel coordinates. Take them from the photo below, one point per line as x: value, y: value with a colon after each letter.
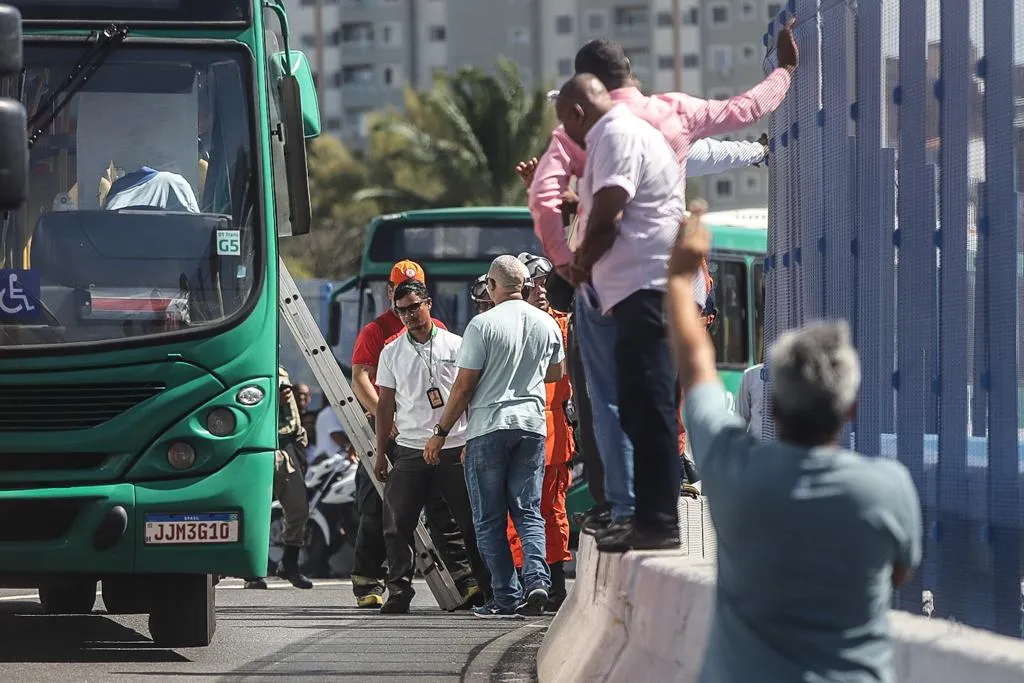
x: 504, y: 471
x: 597, y: 348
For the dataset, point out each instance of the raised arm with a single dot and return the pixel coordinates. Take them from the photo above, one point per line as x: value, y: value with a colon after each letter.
x: 707, y: 156
x: 713, y: 117
x: 692, y: 346
x: 562, y: 160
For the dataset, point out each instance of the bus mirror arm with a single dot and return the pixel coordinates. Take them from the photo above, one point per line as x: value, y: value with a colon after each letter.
x: 334, y: 323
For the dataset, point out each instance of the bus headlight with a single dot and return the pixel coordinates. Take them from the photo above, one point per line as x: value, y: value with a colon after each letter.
x: 249, y: 396
x: 181, y: 455
x: 220, y: 422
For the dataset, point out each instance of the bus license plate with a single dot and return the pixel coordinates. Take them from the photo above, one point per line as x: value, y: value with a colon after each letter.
x: 200, y: 527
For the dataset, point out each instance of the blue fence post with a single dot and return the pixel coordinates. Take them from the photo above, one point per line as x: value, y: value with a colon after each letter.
x: 952, y: 519
x: 915, y: 275
x: 887, y: 256
x: 979, y: 377
x: 776, y: 312
x: 869, y: 230
x: 1003, y: 307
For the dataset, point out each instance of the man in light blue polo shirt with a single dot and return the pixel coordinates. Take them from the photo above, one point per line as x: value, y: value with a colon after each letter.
x: 812, y: 538
x: 507, y: 355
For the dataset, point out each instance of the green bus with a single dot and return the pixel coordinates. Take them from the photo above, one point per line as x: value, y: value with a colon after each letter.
x: 455, y: 246
x: 139, y: 326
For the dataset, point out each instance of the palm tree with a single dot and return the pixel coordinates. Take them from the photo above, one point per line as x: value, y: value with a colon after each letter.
x: 458, y: 144
x: 333, y: 247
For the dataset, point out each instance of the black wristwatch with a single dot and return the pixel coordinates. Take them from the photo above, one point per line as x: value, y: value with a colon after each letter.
x: 440, y: 432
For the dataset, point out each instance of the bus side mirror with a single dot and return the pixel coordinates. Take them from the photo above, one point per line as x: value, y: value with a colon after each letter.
x: 310, y: 105
x: 13, y: 119
x: 299, y: 205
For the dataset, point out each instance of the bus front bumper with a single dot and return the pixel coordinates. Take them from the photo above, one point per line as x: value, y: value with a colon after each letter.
x: 215, y: 524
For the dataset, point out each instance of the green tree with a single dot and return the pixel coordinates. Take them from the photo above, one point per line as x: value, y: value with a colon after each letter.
x: 333, y: 247
x: 458, y: 143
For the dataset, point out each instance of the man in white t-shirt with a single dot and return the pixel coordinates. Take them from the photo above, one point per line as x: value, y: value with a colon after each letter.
x: 508, y: 354
x: 415, y: 374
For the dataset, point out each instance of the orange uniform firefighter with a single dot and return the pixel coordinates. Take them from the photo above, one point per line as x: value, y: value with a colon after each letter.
x: 559, y: 450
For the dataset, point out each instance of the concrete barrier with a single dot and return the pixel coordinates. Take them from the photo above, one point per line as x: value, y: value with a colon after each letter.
x: 645, y: 617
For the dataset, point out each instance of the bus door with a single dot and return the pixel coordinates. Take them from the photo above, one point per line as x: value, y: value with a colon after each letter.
x: 731, y: 333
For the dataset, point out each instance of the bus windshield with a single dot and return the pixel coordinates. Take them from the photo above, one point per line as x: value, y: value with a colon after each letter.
x: 463, y: 241
x: 450, y: 301
x: 142, y: 207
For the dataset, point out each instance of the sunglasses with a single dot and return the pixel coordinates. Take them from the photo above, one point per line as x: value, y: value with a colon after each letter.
x: 411, y: 308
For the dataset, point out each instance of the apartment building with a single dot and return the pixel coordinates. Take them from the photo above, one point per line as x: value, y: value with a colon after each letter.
x: 364, y: 52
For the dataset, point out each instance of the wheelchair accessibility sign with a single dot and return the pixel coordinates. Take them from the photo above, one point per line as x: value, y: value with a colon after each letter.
x: 19, y: 294
x: 229, y: 243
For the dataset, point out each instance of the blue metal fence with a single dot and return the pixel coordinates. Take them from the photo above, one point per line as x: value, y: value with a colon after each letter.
x: 895, y: 196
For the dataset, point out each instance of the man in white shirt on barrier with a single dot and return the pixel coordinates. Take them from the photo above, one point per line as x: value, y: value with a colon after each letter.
x: 415, y: 375
x: 632, y: 192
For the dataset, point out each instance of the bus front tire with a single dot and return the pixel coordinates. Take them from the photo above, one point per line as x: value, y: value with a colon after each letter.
x: 68, y: 596
x: 183, y: 611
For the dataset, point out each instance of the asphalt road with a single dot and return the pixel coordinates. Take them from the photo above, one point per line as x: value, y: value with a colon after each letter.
x: 276, y: 634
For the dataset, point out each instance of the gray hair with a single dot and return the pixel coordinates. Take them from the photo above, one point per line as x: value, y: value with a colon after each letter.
x: 815, y: 375
x: 508, y: 273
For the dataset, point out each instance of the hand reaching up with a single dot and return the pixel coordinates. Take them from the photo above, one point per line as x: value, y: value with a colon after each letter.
x: 693, y: 243
x: 786, y: 52
x: 526, y: 169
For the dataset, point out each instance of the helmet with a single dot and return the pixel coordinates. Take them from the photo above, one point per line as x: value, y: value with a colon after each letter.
x: 538, y: 266
x: 478, y: 292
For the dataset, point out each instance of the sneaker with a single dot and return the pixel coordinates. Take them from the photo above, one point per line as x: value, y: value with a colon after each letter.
x: 370, y: 601
x: 256, y: 584
x: 533, y: 605
x: 492, y: 611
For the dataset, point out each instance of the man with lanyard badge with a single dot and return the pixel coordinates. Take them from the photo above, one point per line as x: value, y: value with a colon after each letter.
x: 368, y: 566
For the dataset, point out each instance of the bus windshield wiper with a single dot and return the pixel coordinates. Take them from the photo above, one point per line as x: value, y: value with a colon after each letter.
x: 91, y: 60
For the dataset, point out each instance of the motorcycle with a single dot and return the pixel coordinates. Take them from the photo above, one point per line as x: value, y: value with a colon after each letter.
x: 333, y: 522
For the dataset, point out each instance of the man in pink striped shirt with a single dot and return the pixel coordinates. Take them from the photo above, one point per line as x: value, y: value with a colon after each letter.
x: 681, y: 119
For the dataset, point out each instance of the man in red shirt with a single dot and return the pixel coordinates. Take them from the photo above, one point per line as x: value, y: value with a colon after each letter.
x: 368, y: 565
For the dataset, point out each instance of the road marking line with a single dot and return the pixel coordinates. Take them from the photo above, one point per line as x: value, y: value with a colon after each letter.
x: 32, y: 596
x: 236, y: 584
x: 233, y: 586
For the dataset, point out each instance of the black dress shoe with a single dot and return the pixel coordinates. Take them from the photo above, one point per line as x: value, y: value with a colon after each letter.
x: 596, y: 517
x: 622, y: 526
x: 638, y: 540
x: 597, y: 525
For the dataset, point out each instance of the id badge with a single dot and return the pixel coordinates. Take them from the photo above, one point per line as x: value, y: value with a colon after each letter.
x: 435, y: 398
